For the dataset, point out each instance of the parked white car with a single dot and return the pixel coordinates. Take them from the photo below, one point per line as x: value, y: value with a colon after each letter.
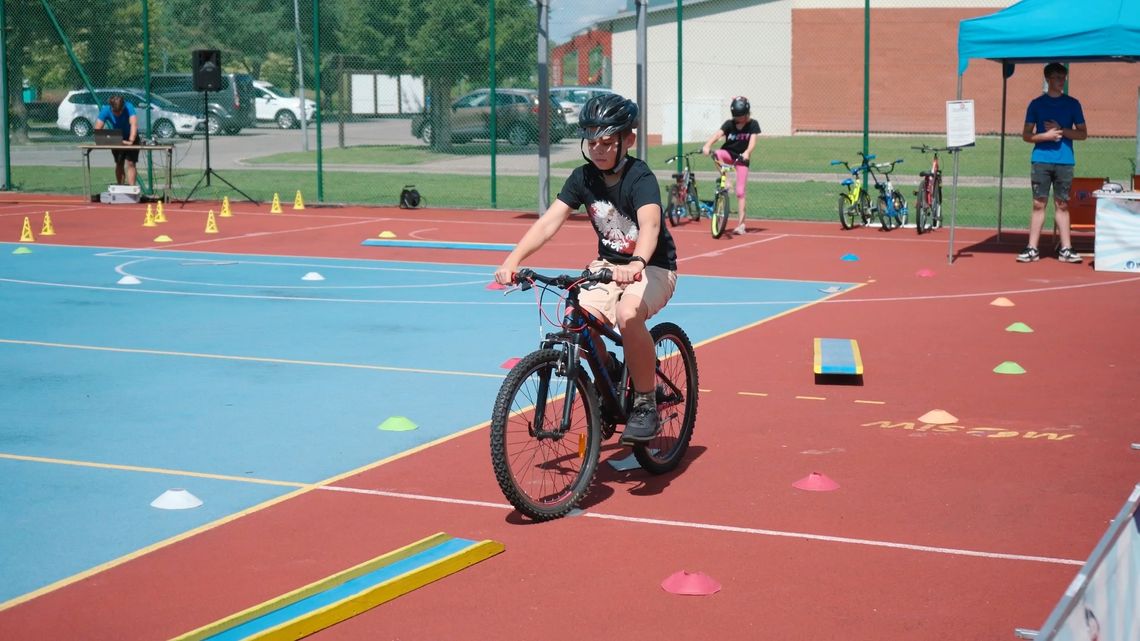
x: 274, y: 105
x: 78, y: 112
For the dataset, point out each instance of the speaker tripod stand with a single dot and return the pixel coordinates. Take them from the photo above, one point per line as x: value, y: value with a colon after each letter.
x: 210, y: 170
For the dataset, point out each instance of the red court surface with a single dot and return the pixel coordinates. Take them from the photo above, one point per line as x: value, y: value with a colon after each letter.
x: 962, y: 531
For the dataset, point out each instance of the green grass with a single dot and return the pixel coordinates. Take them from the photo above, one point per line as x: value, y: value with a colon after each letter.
x: 809, y: 199
x: 800, y: 154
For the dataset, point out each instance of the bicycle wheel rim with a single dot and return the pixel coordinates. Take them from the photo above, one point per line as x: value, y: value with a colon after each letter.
x: 677, y: 395
x: 847, y: 212
x: 719, y: 215
x: 543, y: 477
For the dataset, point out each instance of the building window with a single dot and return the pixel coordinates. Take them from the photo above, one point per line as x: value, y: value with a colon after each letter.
x: 599, y: 68
x: 570, y: 68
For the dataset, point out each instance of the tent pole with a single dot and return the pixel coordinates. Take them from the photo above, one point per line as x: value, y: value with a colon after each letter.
x: 1006, y: 72
x: 954, y: 210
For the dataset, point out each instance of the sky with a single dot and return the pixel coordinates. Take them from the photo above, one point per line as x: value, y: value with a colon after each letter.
x: 570, y: 16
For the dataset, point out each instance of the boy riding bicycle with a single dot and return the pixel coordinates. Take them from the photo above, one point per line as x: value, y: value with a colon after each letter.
x: 621, y: 196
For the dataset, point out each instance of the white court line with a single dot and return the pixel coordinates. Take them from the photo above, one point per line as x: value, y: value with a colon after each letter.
x: 721, y: 252
x: 727, y: 528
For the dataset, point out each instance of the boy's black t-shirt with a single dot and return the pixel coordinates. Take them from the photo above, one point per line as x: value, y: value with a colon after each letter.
x: 613, y: 211
x: 736, y: 140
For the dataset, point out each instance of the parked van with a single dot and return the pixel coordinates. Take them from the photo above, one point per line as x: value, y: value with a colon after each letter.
x: 231, y: 108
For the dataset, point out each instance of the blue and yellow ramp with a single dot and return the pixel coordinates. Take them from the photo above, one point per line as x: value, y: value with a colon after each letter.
x: 837, y: 356
x: 331, y: 600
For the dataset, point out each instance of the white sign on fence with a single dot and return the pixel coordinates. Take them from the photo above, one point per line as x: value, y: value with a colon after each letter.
x: 960, y: 123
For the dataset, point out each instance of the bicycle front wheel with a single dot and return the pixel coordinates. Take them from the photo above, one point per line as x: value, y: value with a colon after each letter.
x: 848, y: 212
x: 719, y: 216
x: 544, y: 465
x: 677, y: 395
x: 694, y: 203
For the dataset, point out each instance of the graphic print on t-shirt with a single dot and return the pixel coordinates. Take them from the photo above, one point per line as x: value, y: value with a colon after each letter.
x: 616, y: 231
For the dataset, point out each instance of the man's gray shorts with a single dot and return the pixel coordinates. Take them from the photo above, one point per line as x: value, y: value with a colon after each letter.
x: 1045, y: 175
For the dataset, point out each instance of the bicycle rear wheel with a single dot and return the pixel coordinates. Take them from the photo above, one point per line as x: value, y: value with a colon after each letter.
x: 694, y: 203
x: 936, y: 204
x: 922, y: 217
x: 719, y: 216
x: 543, y: 467
x: 673, y: 207
x: 677, y: 395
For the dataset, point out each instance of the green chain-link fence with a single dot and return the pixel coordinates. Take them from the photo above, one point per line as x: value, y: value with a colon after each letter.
x: 403, y: 95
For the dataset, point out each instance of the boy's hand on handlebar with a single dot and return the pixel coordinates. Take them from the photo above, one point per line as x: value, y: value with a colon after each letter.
x: 506, y: 274
x: 626, y: 274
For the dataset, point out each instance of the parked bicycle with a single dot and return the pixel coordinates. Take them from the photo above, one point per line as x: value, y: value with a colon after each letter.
x: 928, y: 198
x: 718, y: 217
x: 892, y: 204
x: 682, y: 198
x: 854, y: 204
x: 551, y: 417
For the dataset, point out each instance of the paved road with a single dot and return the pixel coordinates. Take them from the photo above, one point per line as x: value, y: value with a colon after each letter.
x: 234, y: 152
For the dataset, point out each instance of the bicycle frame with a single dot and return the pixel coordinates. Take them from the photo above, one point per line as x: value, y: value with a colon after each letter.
x: 893, y: 214
x: 579, y: 344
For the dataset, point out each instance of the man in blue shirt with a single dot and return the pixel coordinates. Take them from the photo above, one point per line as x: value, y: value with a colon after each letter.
x: 1052, y: 122
x: 120, y: 114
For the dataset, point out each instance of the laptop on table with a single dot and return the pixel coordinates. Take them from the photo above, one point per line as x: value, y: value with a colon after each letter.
x: 108, y: 137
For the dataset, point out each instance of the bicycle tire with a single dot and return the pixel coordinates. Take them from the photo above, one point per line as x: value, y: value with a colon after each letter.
x: 694, y: 203
x: 847, y: 211
x: 899, y: 201
x: 677, y: 413
x: 672, y: 209
x: 888, y: 220
x: 544, y: 477
x: 719, y: 216
x: 921, y: 210
x: 936, y: 206
x: 866, y: 212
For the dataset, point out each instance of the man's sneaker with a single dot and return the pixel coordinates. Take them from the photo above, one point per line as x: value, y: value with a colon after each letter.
x: 740, y: 230
x: 642, y: 425
x: 1067, y: 255
x: 1029, y: 255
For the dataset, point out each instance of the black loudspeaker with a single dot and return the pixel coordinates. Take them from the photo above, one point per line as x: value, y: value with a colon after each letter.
x: 207, y: 66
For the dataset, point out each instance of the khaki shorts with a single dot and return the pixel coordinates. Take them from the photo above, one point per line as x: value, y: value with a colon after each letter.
x: 654, y: 289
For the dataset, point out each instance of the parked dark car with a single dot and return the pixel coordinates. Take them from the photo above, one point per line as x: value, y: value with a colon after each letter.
x: 231, y: 108
x: 517, y: 117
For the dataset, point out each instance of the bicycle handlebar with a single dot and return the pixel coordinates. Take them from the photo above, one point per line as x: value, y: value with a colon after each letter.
x: 673, y: 159
x: 525, y: 277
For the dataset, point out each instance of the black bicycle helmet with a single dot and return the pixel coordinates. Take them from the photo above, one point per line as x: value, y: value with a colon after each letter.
x: 606, y: 115
x: 740, y: 107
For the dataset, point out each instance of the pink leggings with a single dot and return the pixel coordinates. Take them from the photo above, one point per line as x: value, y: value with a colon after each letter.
x: 741, y: 170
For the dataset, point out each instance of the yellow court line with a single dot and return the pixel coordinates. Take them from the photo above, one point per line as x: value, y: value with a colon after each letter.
x: 148, y: 470
x: 752, y: 393
x: 871, y: 402
x: 811, y: 398
x: 251, y: 359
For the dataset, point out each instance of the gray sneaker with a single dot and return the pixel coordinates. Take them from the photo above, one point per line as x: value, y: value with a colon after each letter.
x: 642, y: 425
x: 1067, y: 255
x: 1029, y: 255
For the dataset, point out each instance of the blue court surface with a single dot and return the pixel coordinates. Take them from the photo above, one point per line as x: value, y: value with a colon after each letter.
x: 237, y: 369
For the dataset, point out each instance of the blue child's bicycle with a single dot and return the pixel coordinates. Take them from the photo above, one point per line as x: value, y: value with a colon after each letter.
x: 892, y: 204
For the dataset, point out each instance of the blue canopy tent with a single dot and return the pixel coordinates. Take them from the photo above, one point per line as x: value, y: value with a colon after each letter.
x: 1041, y: 31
